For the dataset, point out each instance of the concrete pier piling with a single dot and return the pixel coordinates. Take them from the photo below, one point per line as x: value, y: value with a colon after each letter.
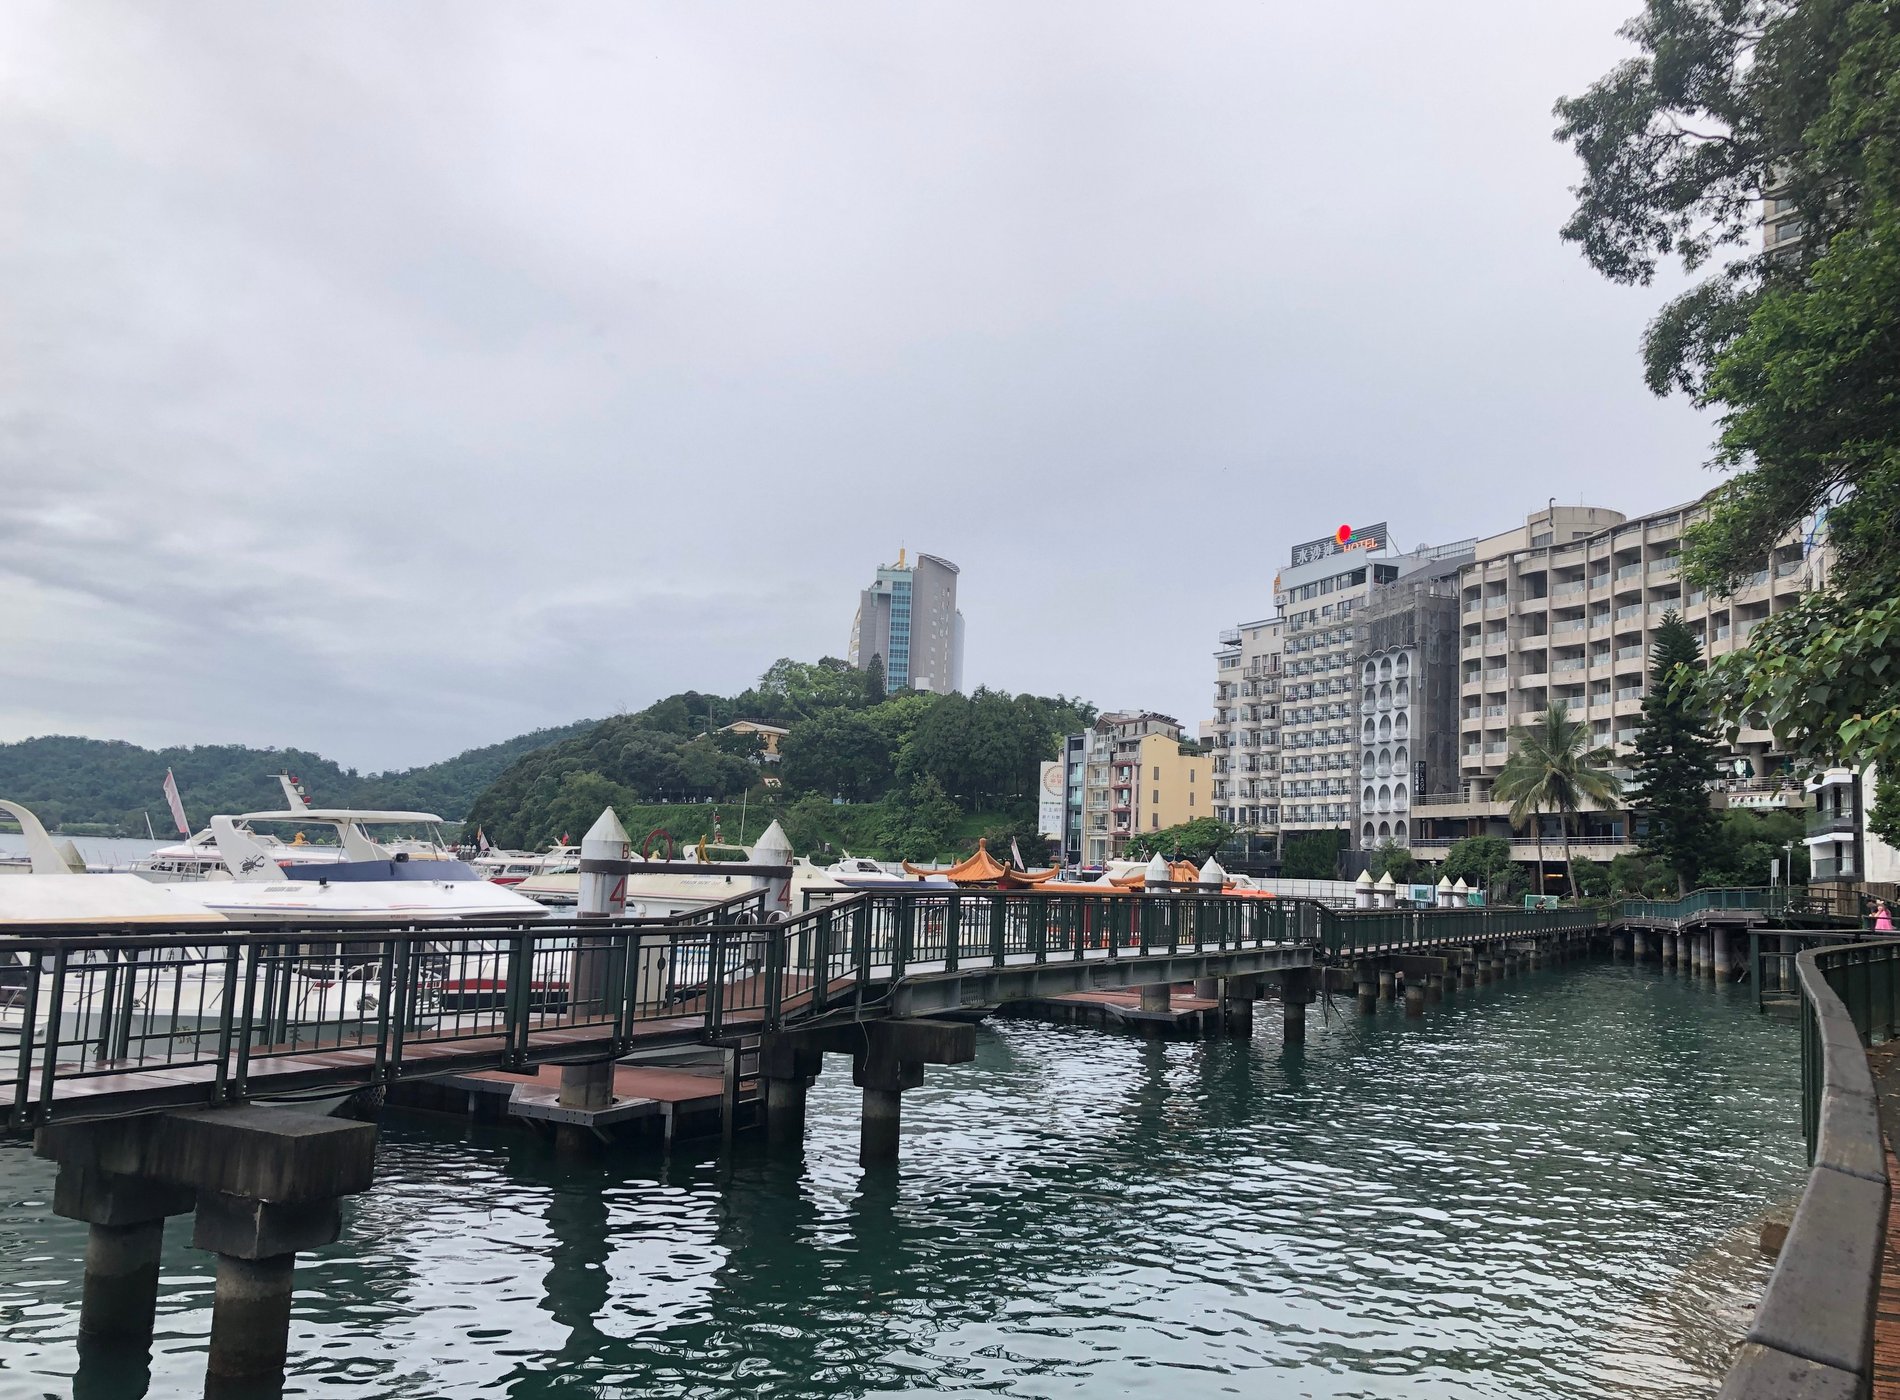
x: 1387, y: 984
x: 1721, y: 964
x: 1414, y: 999
x: 1207, y: 988
x: 1296, y: 990
x: 1468, y: 972
x: 1237, y: 996
x: 266, y: 1182
x: 1367, y: 990
x: 1435, y: 987
x: 125, y: 1216
x: 1157, y: 996
x: 788, y: 1073
x: 589, y: 1088
x: 1669, y: 951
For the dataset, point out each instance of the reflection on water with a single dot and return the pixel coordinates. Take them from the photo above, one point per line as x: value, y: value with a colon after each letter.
x: 1541, y: 1189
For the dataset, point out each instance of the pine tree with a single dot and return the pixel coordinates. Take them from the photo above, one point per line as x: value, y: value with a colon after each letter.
x: 1676, y: 757
x: 874, y: 688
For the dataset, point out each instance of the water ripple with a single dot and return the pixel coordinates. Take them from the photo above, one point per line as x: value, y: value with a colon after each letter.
x: 1543, y: 1188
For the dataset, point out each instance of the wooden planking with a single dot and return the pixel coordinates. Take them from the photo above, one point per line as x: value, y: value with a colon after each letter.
x: 1887, y: 1304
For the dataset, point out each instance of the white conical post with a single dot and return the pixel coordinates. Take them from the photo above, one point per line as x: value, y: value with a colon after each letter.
x: 603, y: 895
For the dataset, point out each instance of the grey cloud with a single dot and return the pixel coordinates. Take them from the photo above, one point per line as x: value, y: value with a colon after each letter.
x: 393, y: 378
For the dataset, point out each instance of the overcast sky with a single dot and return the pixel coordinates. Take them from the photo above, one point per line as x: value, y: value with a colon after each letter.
x: 391, y: 379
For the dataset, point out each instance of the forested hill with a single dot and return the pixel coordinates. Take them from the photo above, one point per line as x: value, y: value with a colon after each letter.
x: 72, y: 782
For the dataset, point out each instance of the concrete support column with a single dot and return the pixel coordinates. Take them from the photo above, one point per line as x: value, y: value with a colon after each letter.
x: 1639, y: 946
x: 1367, y: 987
x: 879, y: 1129
x: 786, y: 1072
x: 1537, y: 957
x: 1698, y: 960
x: 250, y: 1320
x: 1669, y: 950
x: 1414, y: 999
x: 267, y: 1182
x: 1484, y: 969
x: 1722, y: 965
x: 1468, y: 972
x: 1157, y: 996
x: 1207, y: 988
x: 125, y: 1216
x: 1296, y: 989
x: 1237, y: 996
x: 1435, y: 987
x: 1790, y: 945
x: 1386, y: 984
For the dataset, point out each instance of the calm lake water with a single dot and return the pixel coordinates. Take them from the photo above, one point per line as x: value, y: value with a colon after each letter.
x: 1544, y: 1188
x: 101, y: 852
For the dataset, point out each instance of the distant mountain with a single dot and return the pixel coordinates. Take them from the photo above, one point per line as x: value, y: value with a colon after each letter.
x: 69, y: 781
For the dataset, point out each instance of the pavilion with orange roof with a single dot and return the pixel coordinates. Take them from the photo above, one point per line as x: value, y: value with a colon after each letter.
x: 982, y: 870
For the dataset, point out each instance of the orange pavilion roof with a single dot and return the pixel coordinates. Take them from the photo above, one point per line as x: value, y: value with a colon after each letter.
x: 982, y: 868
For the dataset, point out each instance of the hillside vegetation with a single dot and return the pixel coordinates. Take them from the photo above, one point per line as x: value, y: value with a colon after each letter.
x: 907, y: 776
x: 110, y: 786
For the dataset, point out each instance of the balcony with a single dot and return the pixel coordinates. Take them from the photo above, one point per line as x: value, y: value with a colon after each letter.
x: 1754, y: 580
x: 1568, y: 590
x: 1629, y: 571
x: 1787, y: 568
x: 1628, y: 613
x: 1827, y: 823
x: 1570, y: 624
x: 1230, y: 637
x: 1629, y: 653
x: 1576, y: 663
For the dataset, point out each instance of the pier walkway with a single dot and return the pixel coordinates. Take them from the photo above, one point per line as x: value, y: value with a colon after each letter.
x: 102, y: 1026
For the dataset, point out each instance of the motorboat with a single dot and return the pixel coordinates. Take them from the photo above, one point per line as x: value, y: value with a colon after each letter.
x: 513, y: 867
x: 371, y: 883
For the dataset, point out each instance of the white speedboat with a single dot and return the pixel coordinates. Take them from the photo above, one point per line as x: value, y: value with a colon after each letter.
x: 370, y: 885
x: 513, y: 867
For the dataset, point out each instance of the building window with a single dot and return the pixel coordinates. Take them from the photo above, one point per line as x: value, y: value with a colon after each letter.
x: 1157, y: 772
x: 1154, y: 822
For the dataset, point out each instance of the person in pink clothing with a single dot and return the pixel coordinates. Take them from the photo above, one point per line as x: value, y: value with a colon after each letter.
x: 1883, y: 917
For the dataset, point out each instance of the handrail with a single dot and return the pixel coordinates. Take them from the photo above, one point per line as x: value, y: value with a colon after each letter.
x: 1814, y: 1331
x: 1772, y: 900
x: 378, y: 1002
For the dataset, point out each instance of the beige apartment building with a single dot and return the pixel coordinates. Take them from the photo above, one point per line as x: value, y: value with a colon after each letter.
x: 1136, y: 778
x: 1563, y: 610
x: 1244, y: 735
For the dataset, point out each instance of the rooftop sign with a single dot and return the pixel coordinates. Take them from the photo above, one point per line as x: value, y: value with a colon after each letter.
x: 1344, y: 538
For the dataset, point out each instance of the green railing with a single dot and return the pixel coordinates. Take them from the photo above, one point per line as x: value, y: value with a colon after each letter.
x: 1814, y: 1332
x: 1748, y: 898
x: 1399, y: 930
x: 1793, y: 903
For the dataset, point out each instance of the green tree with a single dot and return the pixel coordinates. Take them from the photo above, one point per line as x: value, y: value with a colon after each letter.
x: 1484, y: 862
x: 1312, y: 855
x: 1553, y: 768
x: 840, y: 753
x: 1021, y: 828
x: 1393, y: 859
x: 918, y: 820
x: 874, y: 691
x: 1192, y: 840
x: 1792, y: 107
x: 1676, y: 757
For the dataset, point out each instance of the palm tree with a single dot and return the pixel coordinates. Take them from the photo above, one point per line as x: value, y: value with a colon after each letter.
x: 1553, y: 768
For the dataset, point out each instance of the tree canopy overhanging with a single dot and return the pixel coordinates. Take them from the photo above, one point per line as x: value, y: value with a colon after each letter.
x: 1733, y: 116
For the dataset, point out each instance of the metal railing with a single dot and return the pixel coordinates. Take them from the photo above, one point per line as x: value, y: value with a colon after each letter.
x: 1816, y: 1319
x: 92, y: 1025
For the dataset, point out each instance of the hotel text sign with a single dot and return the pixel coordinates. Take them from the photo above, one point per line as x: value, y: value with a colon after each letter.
x: 1344, y: 538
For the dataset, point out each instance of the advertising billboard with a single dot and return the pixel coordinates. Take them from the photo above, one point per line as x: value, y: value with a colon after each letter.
x: 1049, y: 800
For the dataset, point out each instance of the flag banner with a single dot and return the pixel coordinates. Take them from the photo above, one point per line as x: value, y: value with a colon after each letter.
x: 177, y: 804
x: 1017, y: 852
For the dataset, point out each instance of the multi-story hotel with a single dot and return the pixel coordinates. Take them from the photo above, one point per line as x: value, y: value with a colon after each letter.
x: 1135, y: 777
x: 1563, y: 610
x: 908, y: 617
x: 1289, y: 747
